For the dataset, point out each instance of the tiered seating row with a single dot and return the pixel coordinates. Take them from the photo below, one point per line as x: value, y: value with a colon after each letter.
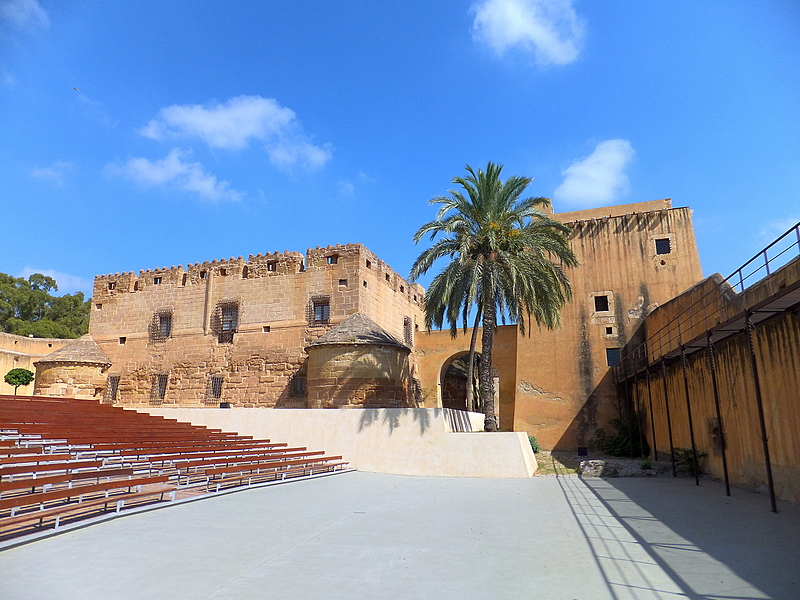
x: 64, y: 459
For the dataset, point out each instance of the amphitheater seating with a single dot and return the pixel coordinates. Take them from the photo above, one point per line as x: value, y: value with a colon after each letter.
x: 64, y: 459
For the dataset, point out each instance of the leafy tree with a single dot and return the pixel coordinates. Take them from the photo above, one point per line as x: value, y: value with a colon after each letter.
x: 507, y: 260
x: 18, y: 377
x: 27, y: 307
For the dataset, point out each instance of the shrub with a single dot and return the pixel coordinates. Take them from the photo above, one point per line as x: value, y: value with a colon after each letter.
x: 626, y: 440
x: 534, y: 444
x: 685, y: 463
x: 646, y: 465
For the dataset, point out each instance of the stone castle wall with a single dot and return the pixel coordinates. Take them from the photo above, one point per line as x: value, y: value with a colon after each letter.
x: 275, y: 297
x: 19, y: 352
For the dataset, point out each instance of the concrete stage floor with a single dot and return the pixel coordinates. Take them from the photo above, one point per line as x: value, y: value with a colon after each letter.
x: 364, y: 535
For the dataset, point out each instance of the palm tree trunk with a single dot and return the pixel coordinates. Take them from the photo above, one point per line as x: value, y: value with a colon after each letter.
x: 471, y: 363
x: 487, y: 381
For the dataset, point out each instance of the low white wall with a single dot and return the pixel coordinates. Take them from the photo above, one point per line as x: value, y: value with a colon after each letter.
x: 402, y: 441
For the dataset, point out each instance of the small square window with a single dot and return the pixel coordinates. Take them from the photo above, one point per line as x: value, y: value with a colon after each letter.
x: 98, y: 306
x: 223, y: 272
x: 601, y: 303
x: 609, y: 330
x: 322, y: 310
x: 122, y: 341
x: 202, y: 274
x: 272, y: 266
x: 332, y: 259
x: 663, y: 246
x: 266, y: 329
x: 112, y: 285
x: 343, y: 282
x: 612, y: 356
x: 156, y: 280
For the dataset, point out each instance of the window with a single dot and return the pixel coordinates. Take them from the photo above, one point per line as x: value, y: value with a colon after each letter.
x: 612, y: 356
x: 387, y: 277
x: 299, y: 386
x: 122, y: 341
x: 112, y: 389
x: 159, y: 389
x: 343, y: 282
x: 223, y: 272
x: 365, y: 283
x: 320, y: 310
x: 369, y: 264
x: 601, y: 303
x: 214, y: 391
x: 402, y: 289
x: 156, y: 280
x: 332, y: 259
x: 161, y: 326
x: 135, y: 286
x: 272, y: 266
x: 266, y: 329
x: 202, y: 274
x: 225, y: 321
x: 245, y: 272
x: 408, y: 331
x: 112, y: 285
x: 183, y: 279
x: 609, y: 331
x: 663, y: 246
x: 99, y: 306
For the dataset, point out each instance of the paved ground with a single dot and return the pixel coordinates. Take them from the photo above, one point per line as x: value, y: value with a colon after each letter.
x: 361, y: 535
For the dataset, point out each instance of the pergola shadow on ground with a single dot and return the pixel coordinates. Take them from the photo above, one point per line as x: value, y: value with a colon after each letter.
x: 366, y: 535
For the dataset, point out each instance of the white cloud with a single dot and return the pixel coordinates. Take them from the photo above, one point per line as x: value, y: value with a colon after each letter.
x: 232, y: 125
x: 777, y: 227
x: 548, y: 29
x: 599, y: 179
x: 67, y: 284
x: 346, y: 188
x: 55, y: 172
x: 175, y: 171
x: 24, y: 13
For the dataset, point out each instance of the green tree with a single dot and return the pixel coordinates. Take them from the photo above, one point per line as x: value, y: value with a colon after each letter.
x: 18, y: 377
x: 507, y: 260
x: 27, y: 307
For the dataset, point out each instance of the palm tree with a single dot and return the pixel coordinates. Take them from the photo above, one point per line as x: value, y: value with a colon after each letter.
x: 507, y: 259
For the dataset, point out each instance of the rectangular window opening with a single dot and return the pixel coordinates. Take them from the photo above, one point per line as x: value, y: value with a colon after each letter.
x: 202, y: 274
x: 609, y: 330
x: 663, y: 246
x: 156, y: 280
x: 272, y: 266
x: 612, y: 356
x: 343, y: 282
x: 159, y: 390
x: 112, y: 285
x: 228, y: 322
x: 369, y: 264
x: 332, y: 259
x: 113, y: 389
x: 122, y: 341
x: 214, y: 392
x: 266, y: 329
x: 408, y: 331
x: 601, y: 303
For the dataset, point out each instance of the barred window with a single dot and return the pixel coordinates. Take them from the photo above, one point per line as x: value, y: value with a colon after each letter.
x: 161, y: 326
x: 214, y: 391
x: 112, y: 390
x: 159, y: 389
x: 319, y: 310
x: 225, y: 321
x: 663, y: 246
x: 612, y: 356
x: 299, y: 387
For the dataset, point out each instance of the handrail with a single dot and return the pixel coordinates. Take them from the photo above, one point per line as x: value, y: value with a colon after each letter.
x: 671, y: 334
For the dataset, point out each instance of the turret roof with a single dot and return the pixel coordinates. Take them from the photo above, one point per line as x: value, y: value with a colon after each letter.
x: 360, y: 330
x: 83, y: 350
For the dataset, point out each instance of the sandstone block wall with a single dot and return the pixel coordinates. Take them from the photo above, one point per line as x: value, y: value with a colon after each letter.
x: 274, y: 295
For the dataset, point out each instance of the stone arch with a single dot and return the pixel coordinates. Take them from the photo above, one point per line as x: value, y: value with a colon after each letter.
x: 453, y: 381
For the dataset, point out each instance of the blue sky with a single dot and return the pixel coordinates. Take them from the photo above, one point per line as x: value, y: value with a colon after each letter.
x: 141, y: 134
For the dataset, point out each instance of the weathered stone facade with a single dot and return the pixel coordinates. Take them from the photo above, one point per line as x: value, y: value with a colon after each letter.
x: 235, y: 330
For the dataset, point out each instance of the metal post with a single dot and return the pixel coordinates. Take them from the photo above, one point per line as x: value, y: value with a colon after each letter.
x: 723, y: 443
x: 749, y: 327
x: 669, y: 419
x: 637, y: 402
x: 652, y: 414
x: 689, y: 415
x: 628, y: 409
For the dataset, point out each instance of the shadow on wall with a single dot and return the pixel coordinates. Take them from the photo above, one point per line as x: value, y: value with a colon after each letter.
x: 391, y: 418
x: 600, y: 407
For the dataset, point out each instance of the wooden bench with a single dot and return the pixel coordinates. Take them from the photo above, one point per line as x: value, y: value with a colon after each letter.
x: 31, y: 483
x: 266, y: 470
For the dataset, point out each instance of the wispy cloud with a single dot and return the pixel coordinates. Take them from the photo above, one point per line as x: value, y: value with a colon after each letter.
x: 550, y: 30
x: 598, y: 179
x: 177, y: 172
x: 25, y: 14
x: 67, y: 284
x: 55, y: 172
x: 776, y: 227
x: 232, y: 126
x: 346, y: 188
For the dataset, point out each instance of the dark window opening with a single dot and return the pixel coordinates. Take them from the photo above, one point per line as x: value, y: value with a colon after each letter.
x: 223, y: 272
x: 601, y: 303
x: 612, y: 356
x: 161, y: 326
x: 266, y: 329
x: 122, y: 341
x: 320, y: 310
x: 408, y: 332
x: 387, y: 277
x: 343, y: 282
x: 159, y: 390
x: 365, y: 283
x: 663, y: 246
x: 214, y: 391
x: 415, y: 297
x: 245, y: 272
x: 98, y: 306
x: 272, y: 266
x: 135, y: 286
x: 156, y: 280
x: 609, y: 330
x: 332, y: 259
x: 226, y: 322
x: 369, y: 264
x: 298, y: 387
x: 112, y: 285
x: 112, y: 389
x: 402, y: 289
x: 202, y: 274
x: 183, y: 279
